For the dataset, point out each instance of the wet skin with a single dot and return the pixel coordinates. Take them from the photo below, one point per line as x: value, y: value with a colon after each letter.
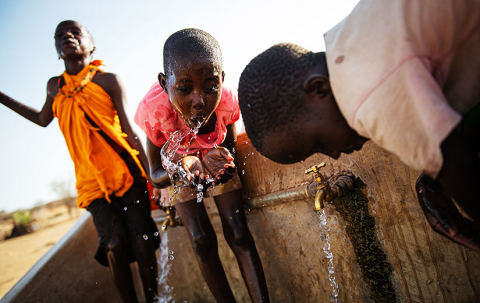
x: 194, y: 88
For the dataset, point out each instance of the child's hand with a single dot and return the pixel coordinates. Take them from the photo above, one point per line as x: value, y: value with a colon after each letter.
x: 219, y: 162
x: 157, y: 195
x: 194, y: 166
x: 443, y: 215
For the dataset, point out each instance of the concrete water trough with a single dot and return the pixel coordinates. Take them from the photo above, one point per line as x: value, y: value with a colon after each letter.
x: 383, y: 248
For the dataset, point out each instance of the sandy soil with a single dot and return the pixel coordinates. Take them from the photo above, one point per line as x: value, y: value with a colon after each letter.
x: 19, y: 254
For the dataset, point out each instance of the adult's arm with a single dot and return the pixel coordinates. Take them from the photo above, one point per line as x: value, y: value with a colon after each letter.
x: 112, y: 84
x: 43, y: 117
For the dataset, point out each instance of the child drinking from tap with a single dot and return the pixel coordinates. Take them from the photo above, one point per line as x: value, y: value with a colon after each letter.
x: 395, y: 72
x: 110, y: 164
x: 190, y: 93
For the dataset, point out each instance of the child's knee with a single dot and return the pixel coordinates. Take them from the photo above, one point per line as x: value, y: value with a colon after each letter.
x: 239, y: 237
x: 204, y: 243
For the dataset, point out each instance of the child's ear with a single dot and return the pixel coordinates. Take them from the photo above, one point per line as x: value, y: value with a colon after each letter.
x: 163, y: 81
x: 318, y: 84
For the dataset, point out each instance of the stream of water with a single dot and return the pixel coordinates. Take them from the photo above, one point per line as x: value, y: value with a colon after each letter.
x: 165, y: 255
x: 324, y: 236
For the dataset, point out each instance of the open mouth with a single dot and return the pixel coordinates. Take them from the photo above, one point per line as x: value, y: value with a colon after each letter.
x: 197, y: 121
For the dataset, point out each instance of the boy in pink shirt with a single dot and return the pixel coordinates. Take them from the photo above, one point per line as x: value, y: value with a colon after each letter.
x: 190, y: 93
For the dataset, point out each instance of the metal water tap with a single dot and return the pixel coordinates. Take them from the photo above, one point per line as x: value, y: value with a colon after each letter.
x: 327, y: 189
x: 171, y: 220
x: 324, y: 192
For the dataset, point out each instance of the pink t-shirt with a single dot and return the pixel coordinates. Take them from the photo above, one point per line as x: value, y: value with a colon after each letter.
x: 158, y: 119
x: 404, y: 72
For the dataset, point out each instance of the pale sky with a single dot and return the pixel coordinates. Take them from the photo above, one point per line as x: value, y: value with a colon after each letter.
x: 129, y: 36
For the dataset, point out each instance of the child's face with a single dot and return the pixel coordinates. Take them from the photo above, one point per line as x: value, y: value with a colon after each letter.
x: 321, y: 129
x: 194, y: 88
x: 71, y: 38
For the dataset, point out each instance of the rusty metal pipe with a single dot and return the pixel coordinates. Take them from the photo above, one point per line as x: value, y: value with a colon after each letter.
x: 283, y: 196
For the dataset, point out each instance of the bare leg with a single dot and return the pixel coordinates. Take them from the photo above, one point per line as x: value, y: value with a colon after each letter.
x: 238, y: 236
x: 205, y: 247
x: 144, y: 252
x: 142, y: 235
x: 117, y: 251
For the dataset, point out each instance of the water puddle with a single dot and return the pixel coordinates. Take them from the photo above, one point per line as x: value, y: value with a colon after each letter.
x: 324, y: 236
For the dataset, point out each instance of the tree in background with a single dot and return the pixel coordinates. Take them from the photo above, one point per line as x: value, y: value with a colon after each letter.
x: 65, y: 190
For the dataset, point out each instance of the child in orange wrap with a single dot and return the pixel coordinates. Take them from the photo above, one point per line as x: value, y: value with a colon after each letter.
x: 110, y: 164
x: 190, y: 93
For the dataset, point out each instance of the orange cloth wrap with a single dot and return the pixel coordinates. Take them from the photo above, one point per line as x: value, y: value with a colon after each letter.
x: 99, y: 170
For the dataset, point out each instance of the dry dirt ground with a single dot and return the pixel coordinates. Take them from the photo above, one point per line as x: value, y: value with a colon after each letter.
x: 19, y: 254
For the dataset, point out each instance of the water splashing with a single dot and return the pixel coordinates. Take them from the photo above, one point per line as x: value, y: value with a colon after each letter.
x: 324, y: 236
x: 179, y: 176
x: 164, y: 266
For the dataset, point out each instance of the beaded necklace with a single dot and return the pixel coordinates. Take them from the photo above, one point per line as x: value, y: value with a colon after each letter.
x: 84, y: 82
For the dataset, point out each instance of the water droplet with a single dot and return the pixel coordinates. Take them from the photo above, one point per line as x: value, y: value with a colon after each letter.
x: 146, y: 120
x: 248, y: 104
x: 237, y: 211
x: 230, y: 218
x: 125, y: 208
x: 170, y: 252
x: 138, y: 201
x: 171, y: 257
x: 153, y: 127
x: 145, y: 237
x: 155, y: 234
x: 243, y: 172
x: 146, y: 191
x: 215, y: 145
x: 153, y: 197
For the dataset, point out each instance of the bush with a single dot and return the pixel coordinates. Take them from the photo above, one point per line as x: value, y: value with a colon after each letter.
x: 21, y: 224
